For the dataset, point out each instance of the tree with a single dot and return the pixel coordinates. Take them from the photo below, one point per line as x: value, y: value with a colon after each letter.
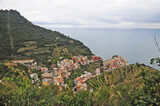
x: 150, y: 94
x: 156, y: 61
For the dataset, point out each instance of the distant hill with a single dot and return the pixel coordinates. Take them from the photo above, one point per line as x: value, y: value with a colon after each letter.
x: 21, y: 39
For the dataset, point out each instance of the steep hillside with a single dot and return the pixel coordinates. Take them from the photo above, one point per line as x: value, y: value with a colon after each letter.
x: 129, y: 75
x: 127, y: 85
x: 21, y: 39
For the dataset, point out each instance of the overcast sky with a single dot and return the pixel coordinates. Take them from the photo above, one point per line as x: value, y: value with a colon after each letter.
x: 88, y: 13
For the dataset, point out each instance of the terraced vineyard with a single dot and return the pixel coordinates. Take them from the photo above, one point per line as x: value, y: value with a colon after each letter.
x: 129, y: 75
x: 128, y: 85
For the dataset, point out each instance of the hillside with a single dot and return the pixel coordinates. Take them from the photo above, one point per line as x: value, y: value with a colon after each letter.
x: 134, y: 83
x: 108, y: 83
x: 121, y: 76
x: 21, y: 39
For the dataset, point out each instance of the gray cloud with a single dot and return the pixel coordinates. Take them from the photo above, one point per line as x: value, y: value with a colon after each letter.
x: 89, y: 13
x: 46, y: 23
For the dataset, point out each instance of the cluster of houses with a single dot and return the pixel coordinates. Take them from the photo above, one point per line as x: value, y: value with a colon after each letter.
x: 49, y: 77
x: 114, y: 62
x: 108, y: 65
x: 63, y: 69
x: 65, y: 66
x: 58, y: 71
x: 83, y: 60
x: 80, y: 82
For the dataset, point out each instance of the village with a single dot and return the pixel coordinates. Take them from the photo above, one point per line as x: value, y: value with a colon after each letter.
x: 56, y: 74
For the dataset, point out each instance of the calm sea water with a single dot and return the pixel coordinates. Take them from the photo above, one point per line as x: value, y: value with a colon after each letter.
x: 136, y: 45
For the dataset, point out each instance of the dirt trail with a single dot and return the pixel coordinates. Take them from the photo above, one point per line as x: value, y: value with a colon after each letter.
x: 9, y: 30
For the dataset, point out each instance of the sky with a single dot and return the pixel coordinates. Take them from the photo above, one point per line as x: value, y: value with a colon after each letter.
x: 88, y: 13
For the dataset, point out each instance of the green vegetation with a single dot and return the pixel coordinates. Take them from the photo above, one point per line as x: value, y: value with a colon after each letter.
x: 16, y: 88
x: 21, y: 39
x: 76, y: 73
x: 131, y: 85
x: 134, y: 84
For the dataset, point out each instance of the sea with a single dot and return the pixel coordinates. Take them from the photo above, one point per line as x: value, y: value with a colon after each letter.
x: 136, y: 45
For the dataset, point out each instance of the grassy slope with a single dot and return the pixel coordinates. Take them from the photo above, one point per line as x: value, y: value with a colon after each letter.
x: 129, y: 75
x: 121, y: 84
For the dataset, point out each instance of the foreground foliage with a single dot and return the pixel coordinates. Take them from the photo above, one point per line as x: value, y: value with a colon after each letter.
x: 132, y: 85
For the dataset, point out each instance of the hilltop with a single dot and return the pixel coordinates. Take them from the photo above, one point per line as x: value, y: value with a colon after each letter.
x: 20, y: 39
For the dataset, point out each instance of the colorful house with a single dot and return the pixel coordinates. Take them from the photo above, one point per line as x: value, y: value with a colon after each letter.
x: 96, y: 58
